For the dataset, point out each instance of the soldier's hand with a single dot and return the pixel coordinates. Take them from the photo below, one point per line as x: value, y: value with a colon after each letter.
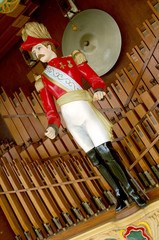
x: 36, y: 77
x: 100, y: 95
x: 50, y: 133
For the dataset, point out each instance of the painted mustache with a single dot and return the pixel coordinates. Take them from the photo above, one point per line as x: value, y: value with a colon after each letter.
x: 40, y: 56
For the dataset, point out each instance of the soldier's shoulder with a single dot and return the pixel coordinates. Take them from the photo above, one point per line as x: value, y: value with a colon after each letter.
x: 78, y: 57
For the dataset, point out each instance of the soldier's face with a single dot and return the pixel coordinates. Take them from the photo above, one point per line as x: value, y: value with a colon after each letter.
x: 43, y: 53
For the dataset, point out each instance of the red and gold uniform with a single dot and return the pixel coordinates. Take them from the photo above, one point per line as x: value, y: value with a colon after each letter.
x: 67, y: 65
x: 76, y: 67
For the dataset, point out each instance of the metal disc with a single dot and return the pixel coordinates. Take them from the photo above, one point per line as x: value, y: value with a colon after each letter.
x: 98, y: 37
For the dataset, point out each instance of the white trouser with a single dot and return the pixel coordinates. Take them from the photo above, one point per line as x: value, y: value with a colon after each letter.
x: 83, y: 124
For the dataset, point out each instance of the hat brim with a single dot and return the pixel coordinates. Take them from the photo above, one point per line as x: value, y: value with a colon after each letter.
x: 31, y: 42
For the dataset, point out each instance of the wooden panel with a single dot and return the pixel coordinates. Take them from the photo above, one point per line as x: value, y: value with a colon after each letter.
x: 5, y: 227
x: 8, y: 45
x: 5, y: 22
x: 20, y: 21
x: 17, y: 11
x: 11, y: 23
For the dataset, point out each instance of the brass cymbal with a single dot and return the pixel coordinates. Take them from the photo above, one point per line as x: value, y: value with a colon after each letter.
x: 97, y: 36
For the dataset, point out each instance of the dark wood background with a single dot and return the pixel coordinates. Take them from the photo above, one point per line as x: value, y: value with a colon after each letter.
x: 128, y: 14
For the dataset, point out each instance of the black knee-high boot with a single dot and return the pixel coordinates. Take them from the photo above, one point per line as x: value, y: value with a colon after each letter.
x: 109, y: 177
x: 109, y: 155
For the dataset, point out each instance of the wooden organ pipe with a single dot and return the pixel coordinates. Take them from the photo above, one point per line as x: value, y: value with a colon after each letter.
x: 154, y: 6
x: 28, y: 207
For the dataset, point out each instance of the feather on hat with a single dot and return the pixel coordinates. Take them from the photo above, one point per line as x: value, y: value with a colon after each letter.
x: 34, y: 33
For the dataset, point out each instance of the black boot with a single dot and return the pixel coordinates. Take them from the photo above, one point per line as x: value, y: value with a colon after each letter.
x: 135, y: 196
x: 111, y: 179
x: 109, y: 155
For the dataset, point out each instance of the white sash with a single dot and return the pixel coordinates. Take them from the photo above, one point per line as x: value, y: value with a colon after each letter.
x: 61, y: 79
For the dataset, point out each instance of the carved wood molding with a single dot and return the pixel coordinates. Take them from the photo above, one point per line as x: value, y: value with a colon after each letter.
x: 145, y: 220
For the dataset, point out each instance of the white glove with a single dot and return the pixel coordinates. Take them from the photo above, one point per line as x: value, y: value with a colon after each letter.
x: 50, y: 133
x: 99, y: 95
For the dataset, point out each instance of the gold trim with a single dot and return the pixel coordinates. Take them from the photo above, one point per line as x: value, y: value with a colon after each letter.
x: 147, y: 225
x: 121, y: 234
x: 8, y: 7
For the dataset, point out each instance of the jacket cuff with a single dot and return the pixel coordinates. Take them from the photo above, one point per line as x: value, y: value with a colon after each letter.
x: 39, y: 85
x: 55, y: 127
x: 99, y: 89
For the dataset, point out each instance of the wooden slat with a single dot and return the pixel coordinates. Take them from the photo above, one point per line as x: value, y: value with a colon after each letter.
x: 13, y: 200
x: 147, y: 99
x: 133, y: 76
x: 71, y: 195
x: 34, y: 197
x: 26, y: 121
x: 154, y: 6
x: 10, y: 124
x: 127, y: 85
x: 146, y: 34
x: 11, y: 217
x: 56, y: 192
x: 28, y: 109
x: 153, y: 24
x: 38, y: 109
x: 79, y: 187
x: 28, y: 207
x: 152, y: 67
x: 18, y: 123
x: 140, y: 156
x: 51, y: 204
x: 120, y: 92
x: 145, y: 139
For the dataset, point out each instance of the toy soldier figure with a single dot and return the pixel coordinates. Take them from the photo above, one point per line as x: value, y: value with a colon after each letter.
x: 62, y: 79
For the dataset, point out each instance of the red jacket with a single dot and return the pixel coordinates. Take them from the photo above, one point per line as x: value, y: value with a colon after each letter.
x: 67, y: 65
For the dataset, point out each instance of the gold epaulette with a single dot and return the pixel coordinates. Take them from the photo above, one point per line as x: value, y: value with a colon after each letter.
x: 39, y: 84
x: 78, y: 57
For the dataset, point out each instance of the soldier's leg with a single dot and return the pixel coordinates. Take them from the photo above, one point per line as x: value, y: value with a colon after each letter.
x: 109, y: 177
x: 109, y: 155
